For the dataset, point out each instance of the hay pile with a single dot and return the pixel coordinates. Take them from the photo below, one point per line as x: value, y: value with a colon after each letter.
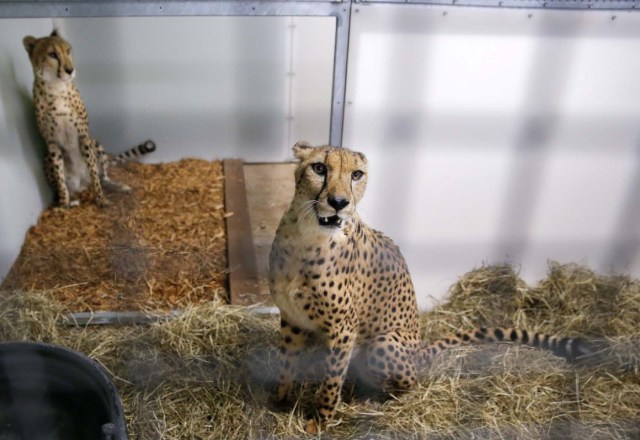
x: 161, y: 247
x: 206, y: 374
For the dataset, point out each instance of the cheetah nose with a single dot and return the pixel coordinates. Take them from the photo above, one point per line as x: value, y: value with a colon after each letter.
x: 337, y: 203
x: 69, y: 70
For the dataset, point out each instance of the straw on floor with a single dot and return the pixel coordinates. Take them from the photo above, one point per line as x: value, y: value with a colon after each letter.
x: 159, y: 248
x: 206, y: 374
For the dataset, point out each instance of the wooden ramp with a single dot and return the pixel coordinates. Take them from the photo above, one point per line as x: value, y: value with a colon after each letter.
x: 256, y: 197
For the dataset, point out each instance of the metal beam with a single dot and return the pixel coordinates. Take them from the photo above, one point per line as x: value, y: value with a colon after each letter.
x: 523, y: 4
x: 340, y: 61
x: 121, y: 8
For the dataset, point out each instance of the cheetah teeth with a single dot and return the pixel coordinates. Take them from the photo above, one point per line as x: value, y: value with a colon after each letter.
x: 330, y: 221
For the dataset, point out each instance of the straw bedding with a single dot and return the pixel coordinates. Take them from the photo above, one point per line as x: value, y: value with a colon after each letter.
x: 159, y: 248
x: 206, y: 374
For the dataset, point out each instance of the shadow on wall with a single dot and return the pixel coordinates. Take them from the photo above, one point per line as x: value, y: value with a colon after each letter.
x: 31, y: 144
x: 546, y: 83
x: 199, y: 86
x: 20, y: 114
x: 25, y: 191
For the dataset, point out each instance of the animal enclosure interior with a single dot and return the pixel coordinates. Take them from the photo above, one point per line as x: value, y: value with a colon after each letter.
x: 149, y: 250
x: 502, y: 145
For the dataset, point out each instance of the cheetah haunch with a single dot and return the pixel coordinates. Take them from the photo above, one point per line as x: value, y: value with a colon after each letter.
x: 334, y: 277
x: 75, y: 161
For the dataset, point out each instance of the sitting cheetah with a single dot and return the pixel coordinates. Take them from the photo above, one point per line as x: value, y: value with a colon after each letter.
x: 74, y: 160
x: 334, y: 277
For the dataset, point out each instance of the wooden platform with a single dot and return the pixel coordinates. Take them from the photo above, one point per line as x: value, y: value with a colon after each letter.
x: 256, y: 197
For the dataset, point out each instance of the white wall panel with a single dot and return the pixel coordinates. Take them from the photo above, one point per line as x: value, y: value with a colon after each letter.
x: 498, y: 135
x: 205, y: 86
x: 493, y: 134
x: 23, y: 190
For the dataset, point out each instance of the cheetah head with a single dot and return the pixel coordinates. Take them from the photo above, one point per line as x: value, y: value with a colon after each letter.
x: 330, y: 182
x: 50, y: 57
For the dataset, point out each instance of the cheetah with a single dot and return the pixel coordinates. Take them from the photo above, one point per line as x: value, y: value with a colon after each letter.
x: 347, y: 285
x: 74, y: 160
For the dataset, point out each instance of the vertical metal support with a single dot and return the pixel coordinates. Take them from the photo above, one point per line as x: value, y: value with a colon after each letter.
x: 340, y: 59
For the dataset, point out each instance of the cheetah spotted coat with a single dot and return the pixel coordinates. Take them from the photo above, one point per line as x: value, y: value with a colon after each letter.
x: 74, y: 161
x: 334, y: 277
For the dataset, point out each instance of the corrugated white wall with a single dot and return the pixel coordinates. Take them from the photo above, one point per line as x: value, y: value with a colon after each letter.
x: 205, y: 86
x: 498, y: 135
x: 493, y: 135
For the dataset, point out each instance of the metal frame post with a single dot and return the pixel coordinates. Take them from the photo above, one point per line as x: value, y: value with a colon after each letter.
x: 340, y: 61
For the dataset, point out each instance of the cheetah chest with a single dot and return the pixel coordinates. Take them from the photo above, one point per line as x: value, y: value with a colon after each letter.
x: 61, y: 121
x: 60, y: 112
x: 303, y: 283
x: 291, y: 299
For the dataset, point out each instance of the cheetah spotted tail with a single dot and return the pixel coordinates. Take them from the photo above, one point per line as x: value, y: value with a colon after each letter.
x: 571, y: 349
x: 137, y: 152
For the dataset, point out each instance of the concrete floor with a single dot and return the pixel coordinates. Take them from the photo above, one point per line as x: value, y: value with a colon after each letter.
x: 270, y: 188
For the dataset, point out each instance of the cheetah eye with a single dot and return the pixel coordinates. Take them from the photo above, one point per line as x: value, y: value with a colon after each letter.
x: 53, y: 55
x: 357, y: 175
x: 319, y: 168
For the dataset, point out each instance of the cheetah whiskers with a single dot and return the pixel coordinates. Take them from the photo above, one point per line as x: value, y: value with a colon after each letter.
x: 306, y: 209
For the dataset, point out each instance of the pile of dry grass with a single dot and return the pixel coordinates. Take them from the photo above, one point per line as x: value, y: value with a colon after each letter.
x: 161, y: 247
x: 205, y: 375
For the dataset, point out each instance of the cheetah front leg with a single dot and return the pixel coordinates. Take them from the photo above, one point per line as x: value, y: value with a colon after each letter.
x: 54, y: 170
x: 292, y: 341
x: 103, y: 164
x: 340, y: 344
x: 90, y: 158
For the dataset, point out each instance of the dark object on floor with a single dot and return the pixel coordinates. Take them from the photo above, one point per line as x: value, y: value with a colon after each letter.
x: 50, y: 392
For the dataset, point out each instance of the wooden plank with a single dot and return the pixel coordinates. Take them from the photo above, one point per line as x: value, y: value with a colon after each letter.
x: 241, y: 256
x: 270, y: 188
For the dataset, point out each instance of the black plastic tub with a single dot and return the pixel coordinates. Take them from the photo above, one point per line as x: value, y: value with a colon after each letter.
x: 53, y: 393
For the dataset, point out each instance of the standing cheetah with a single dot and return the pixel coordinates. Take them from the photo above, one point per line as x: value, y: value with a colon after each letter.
x: 334, y: 277
x: 74, y: 161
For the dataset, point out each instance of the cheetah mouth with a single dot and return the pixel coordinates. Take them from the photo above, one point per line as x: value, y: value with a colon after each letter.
x: 330, y: 222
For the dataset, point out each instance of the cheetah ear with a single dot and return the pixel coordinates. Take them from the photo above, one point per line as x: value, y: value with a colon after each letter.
x: 54, y: 33
x: 302, y: 149
x: 29, y: 43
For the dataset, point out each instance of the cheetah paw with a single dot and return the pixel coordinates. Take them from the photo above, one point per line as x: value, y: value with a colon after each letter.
x: 116, y: 186
x: 103, y: 203
x: 277, y: 403
x: 121, y: 187
x: 311, y: 427
x: 71, y: 204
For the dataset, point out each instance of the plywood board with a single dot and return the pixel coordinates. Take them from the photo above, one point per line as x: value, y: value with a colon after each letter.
x: 270, y: 188
x: 243, y: 276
